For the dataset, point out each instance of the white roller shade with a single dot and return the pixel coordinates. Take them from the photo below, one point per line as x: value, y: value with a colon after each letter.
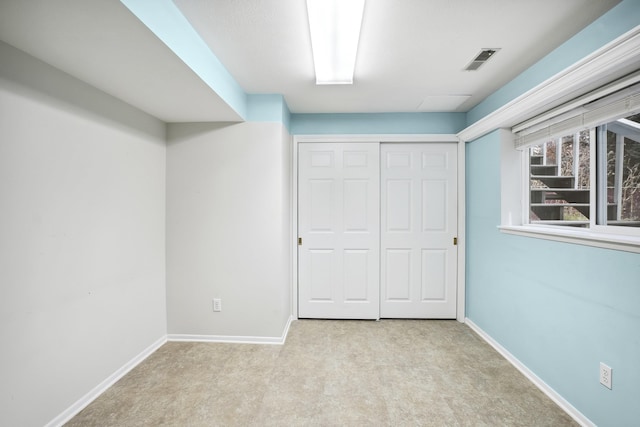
x: 613, y: 106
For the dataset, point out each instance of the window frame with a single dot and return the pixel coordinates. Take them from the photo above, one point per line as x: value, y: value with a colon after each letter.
x: 599, y: 184
x: 603, y: 236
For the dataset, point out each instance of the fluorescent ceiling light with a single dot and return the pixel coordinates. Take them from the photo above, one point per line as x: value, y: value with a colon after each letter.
x: 335, y: 30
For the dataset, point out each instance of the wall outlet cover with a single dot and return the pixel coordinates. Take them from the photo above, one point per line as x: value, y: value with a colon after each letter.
x: 605, y: 376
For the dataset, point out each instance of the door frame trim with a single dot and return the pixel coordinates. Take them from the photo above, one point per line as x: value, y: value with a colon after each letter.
x: 382, y: 138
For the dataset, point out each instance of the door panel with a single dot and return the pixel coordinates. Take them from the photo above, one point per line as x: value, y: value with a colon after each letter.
x: 398, y: 280
x: 356, y: 275
x: 322, y: 267
x: 398, y: 205
x: 434, y: 270
x: 434, y: 205
x: 339, y: 223
x: 418, y: 218
x: 321, y: 193
x: 356, y: 195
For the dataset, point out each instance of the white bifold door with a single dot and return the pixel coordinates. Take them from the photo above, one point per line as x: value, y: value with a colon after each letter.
x: 419, y: 222
x: 339, y: 224
x: 377, y: 223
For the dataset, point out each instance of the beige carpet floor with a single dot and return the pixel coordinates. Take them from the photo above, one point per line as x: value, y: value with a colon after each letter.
x: 329, y: 373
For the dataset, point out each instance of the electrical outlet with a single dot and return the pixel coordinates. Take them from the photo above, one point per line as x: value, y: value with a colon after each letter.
x: 217, y: 304
x: 605, y: 376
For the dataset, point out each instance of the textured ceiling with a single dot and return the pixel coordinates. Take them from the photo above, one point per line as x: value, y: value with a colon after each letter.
x: 411, y: 54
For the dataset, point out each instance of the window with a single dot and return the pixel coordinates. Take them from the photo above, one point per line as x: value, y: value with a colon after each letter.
x: 560, y: 177
x: 559, y: 181
x: 621, y: 172
x: 581, y: 171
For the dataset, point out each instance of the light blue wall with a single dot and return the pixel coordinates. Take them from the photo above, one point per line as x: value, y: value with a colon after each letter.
x: 377, y: 123
x: 268, y: 108
x: 608, y: 27
x: 561, y: 309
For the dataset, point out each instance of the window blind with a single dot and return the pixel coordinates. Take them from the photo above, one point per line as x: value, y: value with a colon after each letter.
x: 607, y: 108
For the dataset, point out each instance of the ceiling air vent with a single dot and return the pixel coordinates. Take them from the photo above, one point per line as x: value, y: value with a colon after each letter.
x: 481, y: 58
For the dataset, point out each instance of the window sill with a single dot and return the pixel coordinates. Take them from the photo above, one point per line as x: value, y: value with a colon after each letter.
x: 578, y: 237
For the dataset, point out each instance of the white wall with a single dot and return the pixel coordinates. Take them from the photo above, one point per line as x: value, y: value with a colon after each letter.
x: 228, y: 228
x: 82, y: 241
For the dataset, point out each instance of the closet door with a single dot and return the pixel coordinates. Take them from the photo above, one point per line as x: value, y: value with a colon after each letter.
x: 419, y: 222
x: 339, y: 224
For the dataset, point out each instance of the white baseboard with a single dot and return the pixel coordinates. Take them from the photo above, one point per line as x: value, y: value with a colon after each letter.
x: 104, y: 385
x: 233, y: 339
x: 578, y: 416
x: 113, y: 378
x: 286, y: 329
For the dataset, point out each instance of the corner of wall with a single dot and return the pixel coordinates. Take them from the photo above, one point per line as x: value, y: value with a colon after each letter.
x: 228, y: 197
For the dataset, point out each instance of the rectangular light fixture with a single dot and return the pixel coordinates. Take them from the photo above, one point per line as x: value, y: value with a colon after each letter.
x: 335, y: 31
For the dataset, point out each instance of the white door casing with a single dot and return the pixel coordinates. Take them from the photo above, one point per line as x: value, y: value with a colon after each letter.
x: 338, y: 222
x: 418, y: 226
